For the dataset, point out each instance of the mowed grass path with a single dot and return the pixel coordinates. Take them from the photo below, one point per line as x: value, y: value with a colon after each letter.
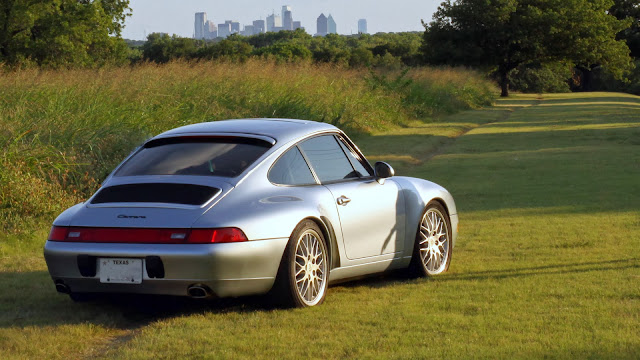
x: 547, y: 263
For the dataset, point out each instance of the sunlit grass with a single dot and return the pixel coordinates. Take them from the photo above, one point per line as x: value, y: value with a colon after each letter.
x: 547, y: 264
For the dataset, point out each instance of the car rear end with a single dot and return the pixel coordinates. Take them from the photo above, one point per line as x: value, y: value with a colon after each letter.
x: 226, y: 264
x: 137, y: 234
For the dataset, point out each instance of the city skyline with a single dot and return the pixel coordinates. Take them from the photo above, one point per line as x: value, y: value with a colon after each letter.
x: 178, y: 17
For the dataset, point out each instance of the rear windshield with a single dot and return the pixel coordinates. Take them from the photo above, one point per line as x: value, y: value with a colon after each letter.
x: 212, y: 156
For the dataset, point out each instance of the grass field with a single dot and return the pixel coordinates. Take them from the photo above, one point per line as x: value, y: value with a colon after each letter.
x: 62, y: 132
x: 547, y: 263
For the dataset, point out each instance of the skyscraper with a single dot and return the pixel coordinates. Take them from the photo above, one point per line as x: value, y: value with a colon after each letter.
x: 331, y: 25
x: 199, y: 32
x: 297, y: 25
x: 235, y: 26
x: 285, y: 8
x: 210, y: 30
x: 258, y: 26
x: 224, y: 30
x: 362, y: 26
x: 322, y: 25
x: 287, y: 20
x: 249, y: 30
x: 274, y: 21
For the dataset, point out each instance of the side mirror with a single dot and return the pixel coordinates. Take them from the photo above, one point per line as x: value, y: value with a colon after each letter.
x: 383, y: 171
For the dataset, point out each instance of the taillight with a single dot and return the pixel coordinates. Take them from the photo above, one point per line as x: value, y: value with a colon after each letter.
x: 146, y: 236
x: 58, y: 233
x: 224, y: 235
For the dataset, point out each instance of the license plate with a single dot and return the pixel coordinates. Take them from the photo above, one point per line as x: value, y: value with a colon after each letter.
x: 120, y: 270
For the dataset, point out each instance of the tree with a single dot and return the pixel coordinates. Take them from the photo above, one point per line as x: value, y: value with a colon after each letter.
x: 162, y: 48
x: 233, y: 48
x: 285, y: 51
x: 629, y: 9
x: 57, y: 33
x: 504, y: 34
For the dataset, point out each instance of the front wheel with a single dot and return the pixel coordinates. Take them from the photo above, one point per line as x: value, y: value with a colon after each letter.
x: 304, y: 271
x: 432, y: 249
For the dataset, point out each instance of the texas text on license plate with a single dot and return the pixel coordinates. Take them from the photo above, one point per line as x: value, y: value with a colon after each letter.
x: 120, y: 270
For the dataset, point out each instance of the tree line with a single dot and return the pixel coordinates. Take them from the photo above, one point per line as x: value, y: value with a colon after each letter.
x: 388, y: 50
x: 526, y: 45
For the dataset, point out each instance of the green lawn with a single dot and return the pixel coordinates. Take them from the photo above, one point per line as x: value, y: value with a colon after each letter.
x: 547, y: 263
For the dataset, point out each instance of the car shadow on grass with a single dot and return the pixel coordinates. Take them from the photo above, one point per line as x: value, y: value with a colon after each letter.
x: 402, y: 277
x: 30, y: 299
x: 553, y: 269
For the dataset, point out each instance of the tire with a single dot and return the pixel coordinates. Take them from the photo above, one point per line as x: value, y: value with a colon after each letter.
x: 303, y: 276
x: 432, y: 249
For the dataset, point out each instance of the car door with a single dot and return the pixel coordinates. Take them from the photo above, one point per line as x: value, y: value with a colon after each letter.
x: 371, y: 214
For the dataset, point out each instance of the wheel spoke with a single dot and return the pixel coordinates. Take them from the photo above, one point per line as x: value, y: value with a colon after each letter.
x: 310, y: 267
x: 433, y: 243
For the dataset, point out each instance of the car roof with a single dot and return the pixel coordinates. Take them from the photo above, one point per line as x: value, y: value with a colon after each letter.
x: 282, y: 130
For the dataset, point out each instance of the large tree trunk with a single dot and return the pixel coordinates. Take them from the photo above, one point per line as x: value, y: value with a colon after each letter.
x: 587, y: 79
x: 504, y: 82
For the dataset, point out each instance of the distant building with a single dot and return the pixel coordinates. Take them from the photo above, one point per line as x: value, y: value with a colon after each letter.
x: 258, y: 26
x: 362, y: 26
x: 235, y: 27
x: 331, y: 25
x: 287, y: 20
x: 249, y: 30
x: 322, y: 25
x: 210, y: 30
x: 224, y: 30
x: 201, y: 18
x: 274, y: 21
x: 285, y: 8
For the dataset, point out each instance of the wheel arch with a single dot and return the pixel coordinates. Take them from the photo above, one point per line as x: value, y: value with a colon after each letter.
x: 441, y: 202
x: 329, y: 234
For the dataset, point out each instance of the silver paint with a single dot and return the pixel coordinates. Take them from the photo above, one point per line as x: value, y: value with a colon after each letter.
x: 373, y: 232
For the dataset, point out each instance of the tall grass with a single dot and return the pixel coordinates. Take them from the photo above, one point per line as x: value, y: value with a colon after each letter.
x: 63, y: 131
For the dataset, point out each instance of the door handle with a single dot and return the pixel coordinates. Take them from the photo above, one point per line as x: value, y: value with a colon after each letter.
x: 343, y: 200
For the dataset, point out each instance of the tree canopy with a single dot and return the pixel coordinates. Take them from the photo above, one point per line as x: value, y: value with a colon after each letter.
x: 504, y: 34
x: 629, y: 9
x: 391, y: 50
x: 58, y: 33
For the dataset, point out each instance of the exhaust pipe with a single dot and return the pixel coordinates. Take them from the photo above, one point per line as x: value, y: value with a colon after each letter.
x: 199, y: 291
x: 62, y: 288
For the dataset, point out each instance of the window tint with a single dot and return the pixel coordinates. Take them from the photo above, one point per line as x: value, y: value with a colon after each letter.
x: 327, y: 159
x: 291, y: 169
x: 362, y: 171
x: 227, y: 157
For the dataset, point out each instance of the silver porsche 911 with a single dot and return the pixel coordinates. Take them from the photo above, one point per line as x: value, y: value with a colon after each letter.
x: 241, y: 207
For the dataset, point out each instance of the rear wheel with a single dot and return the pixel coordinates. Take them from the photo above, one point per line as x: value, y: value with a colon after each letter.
x: 432, y: 249
x: 304, y: 271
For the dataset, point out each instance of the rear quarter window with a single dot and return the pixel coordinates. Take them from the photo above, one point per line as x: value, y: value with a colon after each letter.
x: 291, y: 169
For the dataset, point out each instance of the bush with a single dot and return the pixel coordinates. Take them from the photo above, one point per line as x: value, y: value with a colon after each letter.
x: 538, y: 78
x: 605, y: 81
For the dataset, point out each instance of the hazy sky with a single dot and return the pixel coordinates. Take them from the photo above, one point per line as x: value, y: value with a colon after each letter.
x: 177, y: 16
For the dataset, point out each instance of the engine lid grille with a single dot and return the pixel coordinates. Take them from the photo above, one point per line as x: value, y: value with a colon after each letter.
x: 168, y: 193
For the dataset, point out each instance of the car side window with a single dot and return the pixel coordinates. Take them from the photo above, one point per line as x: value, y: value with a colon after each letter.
x: 327, y: 159
x: 362, y: 171
x: 291, y: 169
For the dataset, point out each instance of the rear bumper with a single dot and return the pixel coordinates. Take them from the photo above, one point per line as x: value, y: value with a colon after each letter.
x: 232, y: 269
